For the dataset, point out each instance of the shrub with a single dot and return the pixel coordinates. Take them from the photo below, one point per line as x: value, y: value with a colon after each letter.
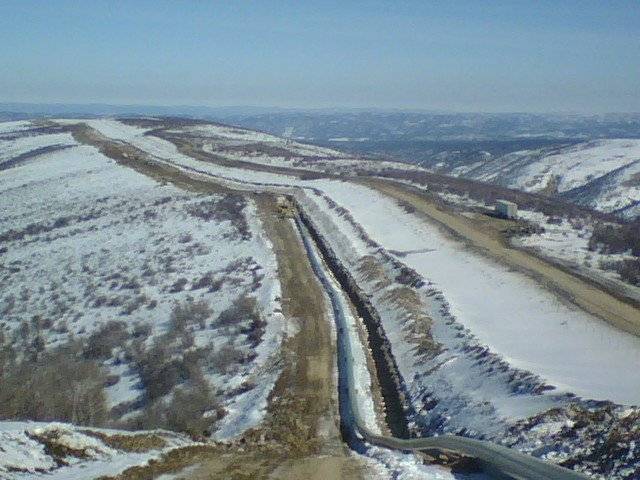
x: 185, y: 238
x: 209, y: 282
x: 185, y: 412
x: 616, y: 238
x: 225, y: 357
x: 178, y: 285
x: 245, y: 308
x: 255, y: 331
x: 141, y: 330
x: 608, y: 264
x: 101, y: 343
x: 188, y: 313
x: 111, y: 380
x: 160, y: 377
x: 166, y: 364
x: 60, y: 385
x: 629, y: 270
x: 608, y: 239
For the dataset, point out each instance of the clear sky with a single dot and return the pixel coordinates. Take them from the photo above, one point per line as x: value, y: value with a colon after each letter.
x: 558, y: 55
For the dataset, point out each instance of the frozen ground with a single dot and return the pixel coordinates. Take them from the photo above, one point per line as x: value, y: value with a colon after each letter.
x: 505, y: 310
x: 85, y: 242
x: 30, y: 450
x: 486, y: 372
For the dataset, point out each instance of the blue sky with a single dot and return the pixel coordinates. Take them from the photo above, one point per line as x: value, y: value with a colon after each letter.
x: 576, y: 56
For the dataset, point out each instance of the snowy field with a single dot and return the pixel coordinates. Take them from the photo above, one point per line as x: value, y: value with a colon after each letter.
x: 89, y: 248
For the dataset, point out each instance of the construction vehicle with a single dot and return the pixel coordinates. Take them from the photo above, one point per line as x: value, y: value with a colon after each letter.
x: 285, y: 206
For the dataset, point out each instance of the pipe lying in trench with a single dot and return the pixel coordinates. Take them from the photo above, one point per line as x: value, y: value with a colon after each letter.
x: 495, y: 460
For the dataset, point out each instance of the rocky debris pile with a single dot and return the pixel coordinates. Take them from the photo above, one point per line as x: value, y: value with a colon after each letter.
x: 602, y: 440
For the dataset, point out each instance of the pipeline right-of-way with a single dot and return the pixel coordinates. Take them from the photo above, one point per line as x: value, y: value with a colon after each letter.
x: 498, y: 461
x: 495, y: 460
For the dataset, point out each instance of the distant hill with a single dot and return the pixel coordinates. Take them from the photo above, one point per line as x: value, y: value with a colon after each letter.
x: 601, y: 174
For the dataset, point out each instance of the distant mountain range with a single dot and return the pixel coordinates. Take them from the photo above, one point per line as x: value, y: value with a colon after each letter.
x: 591, y: 160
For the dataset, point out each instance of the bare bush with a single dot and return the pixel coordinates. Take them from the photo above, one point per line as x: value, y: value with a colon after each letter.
x: 244, y: 309
x: 209, y: 282
x: 185, y: 238
x: 629, y: 270
x: 185, y: 412
x: 225, y: 358
x: 45, y: 227
x: 191, y: 312
x: 608, y: 264
x: 167, y: 363
x: 133, y: 304
x: 616, y: 238
x: 255, y: 330
x: 178, y: 285
x: 141, y: 330
x: 101, y: 343
x: 60, y: 385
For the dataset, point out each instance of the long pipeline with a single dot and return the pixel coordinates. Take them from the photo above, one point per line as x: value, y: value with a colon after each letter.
x: 495, y: 460
x: 499, y: 461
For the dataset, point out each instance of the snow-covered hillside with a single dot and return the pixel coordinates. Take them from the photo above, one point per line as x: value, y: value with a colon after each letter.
x: 461, y: 276
x: 459, y: 324
x: 146, y: 279
x: 237, y: 144
x: 601, y: 174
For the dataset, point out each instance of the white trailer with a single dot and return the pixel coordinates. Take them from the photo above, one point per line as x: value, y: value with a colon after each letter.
x: 506, y: 209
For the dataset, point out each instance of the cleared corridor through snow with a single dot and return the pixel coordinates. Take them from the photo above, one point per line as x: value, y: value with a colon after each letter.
x: 527, y: 325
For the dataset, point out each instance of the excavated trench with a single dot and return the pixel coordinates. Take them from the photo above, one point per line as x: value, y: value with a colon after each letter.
x: 389, y: 378
x: 493, y: 460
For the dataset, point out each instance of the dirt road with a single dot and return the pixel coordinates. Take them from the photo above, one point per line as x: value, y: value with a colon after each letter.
x: 300, y: 436
x: 587, y: 296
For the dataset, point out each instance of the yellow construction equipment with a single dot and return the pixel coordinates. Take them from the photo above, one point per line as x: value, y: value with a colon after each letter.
x: 285, y: 206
